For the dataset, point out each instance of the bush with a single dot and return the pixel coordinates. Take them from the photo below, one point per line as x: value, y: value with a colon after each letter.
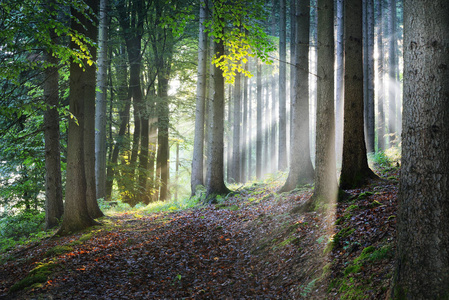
x: 21, y: 225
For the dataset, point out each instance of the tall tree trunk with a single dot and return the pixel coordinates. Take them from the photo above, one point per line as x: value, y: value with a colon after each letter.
x: 370, y: 108
x: 392, y: 65
x: 228, y: 144
x: 259, y: 140
x: 380, y: 81
x: 354, y: 171
x: 100, y: 105
x: 198, y: 143
x: 245, y: 125
x: 215, y: 167
x: 163, y: 150
x: 237, y: 127
x: 282, y: 163
x: 301, y: 169
x: 326, y: 188
x: 274, y: 101
x: 76, y: 216
x: 54, y: 207
x: 89, y: 122
x: 423, y: 220
x: 339, y: 78
x: 250, y: 129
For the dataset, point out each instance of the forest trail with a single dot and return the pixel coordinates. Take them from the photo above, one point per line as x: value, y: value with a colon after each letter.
x: 247, y: 246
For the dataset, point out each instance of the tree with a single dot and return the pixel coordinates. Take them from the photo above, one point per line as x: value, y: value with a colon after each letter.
x: 301, y: 169
x: 380, y: 80
x: 354, y: 169
x: 423, y: 235
x: 282, y: 164
x: 326, y: 188
x: 198, y: 144
x: 236, y: 147
x: 54, y: 207
x: 259, y: 140
x: 89, y: 78
x: 215, y: 168
x: 76, y: 216
x: 369, y: 76
x: 392, y: 67
x: 100, y: 107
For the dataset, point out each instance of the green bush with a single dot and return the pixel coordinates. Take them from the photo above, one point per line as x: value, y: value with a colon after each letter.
x: 21, y: 225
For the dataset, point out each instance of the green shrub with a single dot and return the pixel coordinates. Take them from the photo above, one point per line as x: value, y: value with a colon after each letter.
x: 21, y: 225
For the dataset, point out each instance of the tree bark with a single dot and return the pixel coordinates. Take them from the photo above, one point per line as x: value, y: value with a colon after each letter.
x: 339, y: 79
x: 89, y: 78
x: 100, y: 108
x: 370, y: 107
x: 76, y: 216
x: 422, y: 267
x: 237, y: 127
x: 215, y: 168
x: 392, y: 66
x: 325, y: 166
x: 282, y: 163
x: 198, y: 143
x: 259, y: 139
x: 301, y: 169
x: 380, y: 81
x: 54, y: 207
x: 354, y: 170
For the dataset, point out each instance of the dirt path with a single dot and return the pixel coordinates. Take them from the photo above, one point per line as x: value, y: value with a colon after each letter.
x: 248, y: 247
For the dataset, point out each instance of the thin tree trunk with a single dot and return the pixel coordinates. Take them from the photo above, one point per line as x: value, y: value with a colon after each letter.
x: 244, y: 128
x: 198, y: 143
x: 236, y: 132
x: 339, y: 80
x: 54, y: 207
x: 100, y: 105
x: 370, y: 108
x: 380, y: 79
x: 392, y: 65
x: 282, y: 164
x: 259, y: 140
x: 215, y: 169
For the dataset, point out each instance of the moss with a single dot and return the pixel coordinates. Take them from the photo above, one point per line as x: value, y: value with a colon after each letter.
x: 352, y: 207
x: 58, y: 250
x: 345, y: 232
x: 28, y: 281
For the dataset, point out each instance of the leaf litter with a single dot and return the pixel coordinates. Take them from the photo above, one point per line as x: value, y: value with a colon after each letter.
x: 249, y: 247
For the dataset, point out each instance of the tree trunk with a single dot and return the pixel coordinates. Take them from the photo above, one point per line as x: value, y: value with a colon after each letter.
x: 215, y: 168
x: 76, y: 216
x: 354, y: 171
x: 100, y: 108
x: 54, y: 207
x: 301, y: 169
x: 422, y: 267
x: 282, y: 163
x: 198, y: 143
x: 89, y: 78
x: 163, y: 149
x: 380, y: 79
x: 237, y: 127
x: 370, y: 108
x: 325, y: 166
x: 244, y: 128
x: 339, y: 79
x: 259, y: 139
x: 392, y: 65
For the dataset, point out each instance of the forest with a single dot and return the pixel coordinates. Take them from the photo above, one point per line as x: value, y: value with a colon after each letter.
x: 215, y: 149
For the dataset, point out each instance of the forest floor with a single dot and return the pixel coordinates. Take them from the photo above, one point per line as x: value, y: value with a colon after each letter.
x: 248, y: 246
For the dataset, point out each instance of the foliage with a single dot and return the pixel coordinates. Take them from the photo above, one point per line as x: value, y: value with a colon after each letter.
x: 237, y: 25
x: 21, y: 225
